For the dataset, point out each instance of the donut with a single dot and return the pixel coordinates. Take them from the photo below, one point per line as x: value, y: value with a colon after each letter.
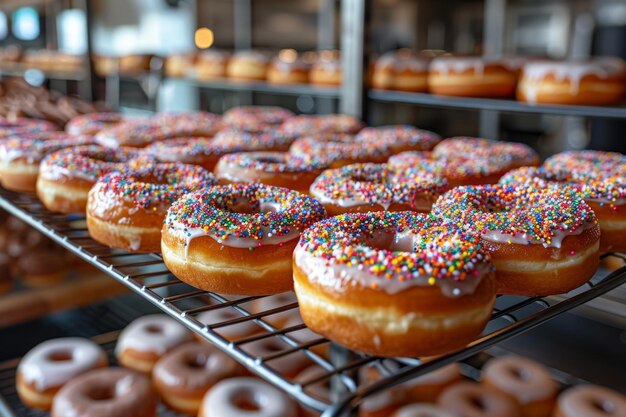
x: 247, y: 66
x: 106, y: 392
x: 236, y: 397
x: 182, y: 124
x: 177, y: 65
x: 92, y: 123
x: 362, y: 282
x: 255, y: 118
x: 6, y: 273
x: 386, y: 402
x: 470, y: 399
x: 401, y: 70
x: 590, y: 401
x: 542, y: 242
x: 289, y: 365
x: 24, y: 126
x: 288, y: 68
x: 134, y: 63
x: 269, y: 140
x: 525, y: 380
x: 66, y: 176
x: 422, y: 410
x: 428, y: 387
x: 338, y: 150
x: 184, y: 375
x: 278, y: 320
x: 204, y: 152
x: 238, y: 238
x: 320, y: 390
x: 126, y: 208
x: 400, y: 138
x: 470, y: 77
x: 599, y: 81
x: 375, y: 187
x: 589, y: 163
x: 309, y: 125
x: 326, y: 70
x: 513, y: 154
x: 281, y: 169
x: 48, y: 366
x: 606, y: 195
x: 20, y: 157
x: 231, y: 332
x: 145, y: 340
x: 210, y: 64
x: 42, y: 265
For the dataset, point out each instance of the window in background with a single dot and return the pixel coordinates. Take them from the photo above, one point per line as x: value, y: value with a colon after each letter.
x: 72, y: 31
x: 26, y: 24
x: 4, y: 26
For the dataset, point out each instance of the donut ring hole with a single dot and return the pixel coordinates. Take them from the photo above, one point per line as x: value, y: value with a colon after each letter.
x: 477, y: 402
x: 154, y: 329
x: 520, y: 374
x: 151, y: 178
x: 387, y: 242
x: 245, y: 206
x: 60, y: 356
x: 198, y: 361
x: 101, y: 393
x: 365, y: 178
x: 273, y: 160
x: 603, y: 406
x: 247, y: 401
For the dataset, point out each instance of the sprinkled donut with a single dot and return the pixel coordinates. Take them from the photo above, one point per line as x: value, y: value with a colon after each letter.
x: 339, y: 150
x: 542, y: 242
x: 383, y: 283
x: 185, y: 374
x: 422, y: 410
x: 400, y: 138
x: 470, y: 399
x: 268, y: 140
x: 515, y: 154
x: 238, y: 238
x: 198, y: 123
x: 20, y: 157
x: 256, y: 118
x: 106, y: 392
x: 586, y: 163
x: 144, y: 341
x: 92, y: 123
x: 235, y: 397
x: 374, y: 187
x: 280, y: 169
x: 126, y: 208
x: 204, y: 152
x: 306, y: 125
x: 527, y: 381
x: 51, y: 364
x: 66, y: 176
x: 590, y: 401
x: 24, y: 126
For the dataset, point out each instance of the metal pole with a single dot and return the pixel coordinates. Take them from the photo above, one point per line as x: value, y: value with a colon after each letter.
x: 87, y: 86
x: 353, y: 23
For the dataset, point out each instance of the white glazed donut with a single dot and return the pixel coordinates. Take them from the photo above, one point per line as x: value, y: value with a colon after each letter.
x: 234, y: 397
x: 148, y: 338
x: 422, y: 410
x: 590, y: 401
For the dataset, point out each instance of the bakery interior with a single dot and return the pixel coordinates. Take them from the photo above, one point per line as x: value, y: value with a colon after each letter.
x: 153, y: 72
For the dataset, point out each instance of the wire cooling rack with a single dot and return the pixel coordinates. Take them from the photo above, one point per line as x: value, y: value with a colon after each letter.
x: 266, y: 334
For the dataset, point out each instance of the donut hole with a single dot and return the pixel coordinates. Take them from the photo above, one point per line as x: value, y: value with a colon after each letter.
x: 520, y: 374
x: 101, y: 393
x: 196, y: 361
x: 61, y: 356
x: 603, y: 406
x: 365, y: 178
x: 269, y: 160
x: 154, y: 329
x: 246, y: 400
x: 477, y: 402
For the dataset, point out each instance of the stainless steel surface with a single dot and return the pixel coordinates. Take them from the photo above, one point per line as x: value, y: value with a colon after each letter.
x: 352, y: 43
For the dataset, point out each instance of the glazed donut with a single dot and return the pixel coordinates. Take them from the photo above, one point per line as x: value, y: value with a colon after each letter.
x: 457, y: 171
x: 24, y: 126
x: 66, y: 176
x: 590, y: 401
x: 400, y: 138
x: 231, y: 332
x: 605, y: 195
x: 190, y: 124
x: 326, y: 70
x: 375, y: 187
x: 126, y: 208
x: 211, y: 64
x: 268, y: 140
x: 594, y: 82
x: 235, y: 397
x: 586, y: 163
x: 42, y: 265
x: 386, y: 402
x: 248, y: 66
x: 134, y: 63
x: 144, y: 341
x: 289, y: 365
x: 176, y: 65
x: 470, y: 77
x: 542, y: 242
x: 204, y: 152
x: 184, y: 375
x: 20, y: 157
x: 308, y: 125
x: 288, y: 68
x: 361, y: 282
x: 92, y: 123
x: 281, y: 169
x: 513, y: 154
x: 6, y: 273
x: 469, y: 399
x: 256, y: 118
x: 238, y: 238
x: 320, y: 390
x: 106, y: 392
x: 338, y: 150
x: 422, y: 410
x: 51, y: 364
x: 428, y: 387
x: 525, y: 380
x: 401, y: 70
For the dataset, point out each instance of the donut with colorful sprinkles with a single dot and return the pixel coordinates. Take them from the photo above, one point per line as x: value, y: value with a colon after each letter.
x: 401, y: 138
x: 237, y: 238
x: 92, y: 123
x: 201, y: 151
x: 256, y: 118
x: 393, y: 284
x: 66, y: 176
x: 268, y: 140
x: 126, y: 208
x: 24, y: 126
x: 376, y: 187
x: 280, y: 169
x: 339, y: 149
x: 514, y: 154
x: 542, y: 242
x: 306, y: 125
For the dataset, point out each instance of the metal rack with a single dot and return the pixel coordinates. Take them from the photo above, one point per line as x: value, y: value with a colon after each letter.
x: 147, y: 276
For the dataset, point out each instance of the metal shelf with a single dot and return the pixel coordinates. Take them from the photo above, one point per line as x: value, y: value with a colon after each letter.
x: 512, y: 106
x: 147, y: 276
x: 21, y: 71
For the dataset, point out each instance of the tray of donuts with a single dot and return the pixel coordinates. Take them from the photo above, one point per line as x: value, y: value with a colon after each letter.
x: 597, y: 81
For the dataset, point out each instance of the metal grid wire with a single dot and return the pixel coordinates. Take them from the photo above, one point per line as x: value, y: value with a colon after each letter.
x: 278, y: 342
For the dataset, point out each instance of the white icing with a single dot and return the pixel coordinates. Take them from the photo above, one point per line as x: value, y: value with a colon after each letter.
x: 403, y: 62
x: 446, y: 65
x: 39, y: 369
x: 139, y: 337
x: 525, y: 239
x: 422, y: 410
